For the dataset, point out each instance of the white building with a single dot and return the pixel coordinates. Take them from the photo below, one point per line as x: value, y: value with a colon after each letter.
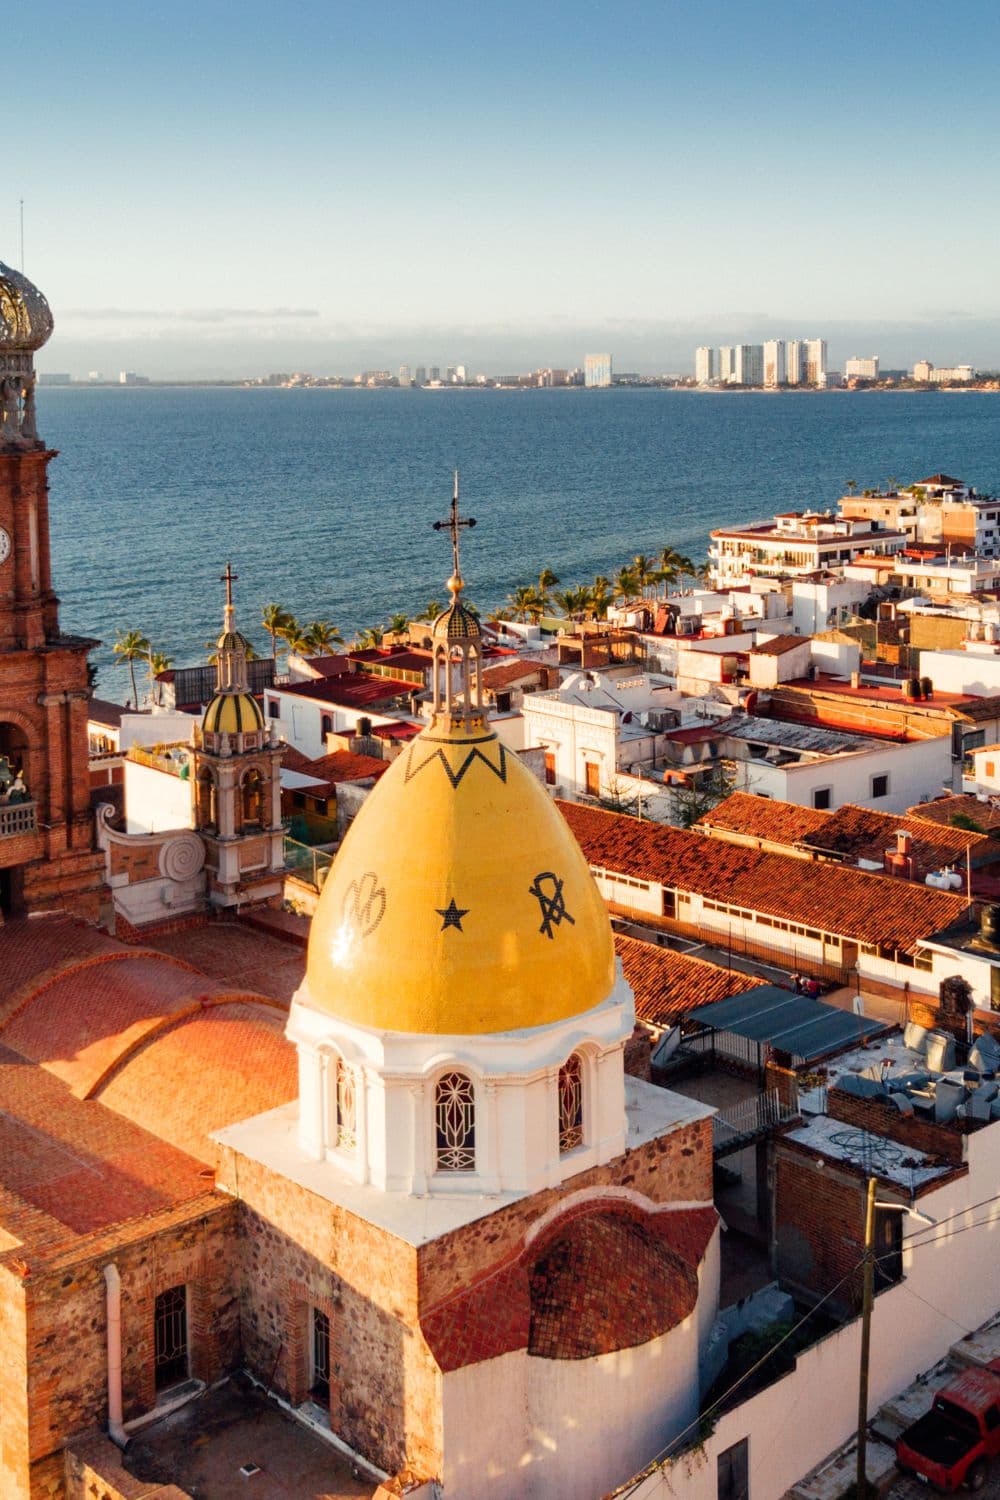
x: 861, y: 367
x: 704, y: 364
x: 775, y: 370
x: 727, y: 364
x: 748, y: 367
x: 597, y: 369
x: 795, y: 362
x: 794, y: 544
x: 943, y: 576
x: 815, y: 361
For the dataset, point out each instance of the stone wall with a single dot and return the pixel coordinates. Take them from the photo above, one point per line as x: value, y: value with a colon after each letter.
x: 53, y: 1377
x: 93, y: 1471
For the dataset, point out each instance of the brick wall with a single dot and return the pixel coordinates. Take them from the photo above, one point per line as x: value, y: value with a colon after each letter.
x: 819, y: 1226
x: 940, y: 1140
x: 638, y: 1054
x: 92, y: 1470
x: 785, y: 1080
x: 53, y: 1377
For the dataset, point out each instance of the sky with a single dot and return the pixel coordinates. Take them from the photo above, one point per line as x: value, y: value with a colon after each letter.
x: 230, y: 187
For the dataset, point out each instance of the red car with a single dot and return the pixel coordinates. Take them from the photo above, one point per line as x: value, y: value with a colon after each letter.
x: 952, y: 1444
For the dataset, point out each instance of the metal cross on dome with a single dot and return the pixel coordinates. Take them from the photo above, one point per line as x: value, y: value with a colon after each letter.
x: 229, y: 578
x: 455, y: 524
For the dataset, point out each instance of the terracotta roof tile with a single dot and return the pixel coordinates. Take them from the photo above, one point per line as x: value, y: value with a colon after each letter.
x: 944, y: 809
x: 864, y: 908
x: 514, y: 671
x: 861, y: 833
x: 345, y: 765
x: 778, y: 645
x: 668, y: 984
x: 763, y: 818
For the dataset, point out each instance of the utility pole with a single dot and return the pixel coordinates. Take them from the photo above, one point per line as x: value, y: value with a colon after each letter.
x: 868, y: 1288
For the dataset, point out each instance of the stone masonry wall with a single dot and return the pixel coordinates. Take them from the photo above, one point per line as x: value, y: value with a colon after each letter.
x: 64, y: 1376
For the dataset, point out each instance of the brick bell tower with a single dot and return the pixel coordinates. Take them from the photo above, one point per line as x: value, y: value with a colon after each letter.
x: 47, y: 858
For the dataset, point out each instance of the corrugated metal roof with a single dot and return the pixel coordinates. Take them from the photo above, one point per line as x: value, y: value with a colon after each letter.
x: 807, y: 1028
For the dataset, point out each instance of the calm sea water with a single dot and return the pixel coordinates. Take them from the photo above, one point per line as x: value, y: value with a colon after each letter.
x: 323, y: 499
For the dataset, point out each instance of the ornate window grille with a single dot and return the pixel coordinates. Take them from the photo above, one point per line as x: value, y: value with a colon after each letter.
x: 170, y: 1337
x: 455, y: 1123
x: 570, y: 1105
x: 347, y: 1108
x: 320, y: 1383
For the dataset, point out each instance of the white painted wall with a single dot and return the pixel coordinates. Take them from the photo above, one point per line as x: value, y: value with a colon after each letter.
x: 952, y: 1284
x: 822, y: 606
x: 164, y: 726
x: 916, y: 770
x: 156, y: 801
x: 976, y: 672
x: 571, y: 1429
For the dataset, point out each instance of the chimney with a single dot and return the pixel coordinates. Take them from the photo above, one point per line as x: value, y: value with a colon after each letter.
x: 855, y: 679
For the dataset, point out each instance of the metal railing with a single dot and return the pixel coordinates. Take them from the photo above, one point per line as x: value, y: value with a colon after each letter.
x: 745, y: 1122
x: 307, y: 864
x: 19, y: 817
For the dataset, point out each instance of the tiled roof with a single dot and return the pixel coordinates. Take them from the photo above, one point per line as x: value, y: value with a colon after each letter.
x: 860, y: 833
x: 944, y: 809
x: 779, y: 644
x: 350, y: 690
x: 864, y: 908
x: 239, y: 957
x: 100, y: 711
x: 73, y: 1169
x: 345, y: 765
x: 763, y: 818
x: 979, y: 710
x: 514, y: 671
x: 668, y: 984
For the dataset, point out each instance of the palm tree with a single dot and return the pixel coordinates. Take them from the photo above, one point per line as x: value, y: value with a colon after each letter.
x: 573, y: 602
x: 674, y: 565
x: 547, y: 581
x: 643, y: 568
x: 398, y: 625
x: 434, y: 608
x: 297, y: 639
x: 599, y: 596
x: 368, y: 639
x: 625, y: 583
x: 851, y: 485
x: 131, y: 646
x: 323, y: 637
x: 157, y: 663
x: 276, y: 619
x: 525, y: 602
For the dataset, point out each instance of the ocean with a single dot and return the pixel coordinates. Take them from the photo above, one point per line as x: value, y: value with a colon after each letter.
x: 323, y: 499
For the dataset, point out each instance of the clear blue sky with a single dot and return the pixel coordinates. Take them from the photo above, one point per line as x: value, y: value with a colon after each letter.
x: 232, y: 186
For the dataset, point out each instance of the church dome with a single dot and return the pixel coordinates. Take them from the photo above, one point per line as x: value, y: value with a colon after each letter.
x: 233, y: 713
x: 456, y: 624
x: 25, y: 317
x: 460, y: 903
x: 231, y: 640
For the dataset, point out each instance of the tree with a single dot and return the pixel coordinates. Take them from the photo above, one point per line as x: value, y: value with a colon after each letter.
x: 642, y: 568
x: 131, y: 646
x: 600, y: 595
x: 434, y: 608
x: 157, y: 663
x: 694, y: 799
x: 323, y: 638
x: 625, y: 583
x: 547, y: 581
x: 852, y: 485
x: 276, y: 619
x: 526, y: 602
x: 674, y: 565
x: 296, y: 639
x: 398, y: 625
x: 574, y: 602
x: 368, y: 639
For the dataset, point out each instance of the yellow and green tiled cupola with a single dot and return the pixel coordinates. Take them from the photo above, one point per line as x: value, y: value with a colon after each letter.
x: 233, y: 710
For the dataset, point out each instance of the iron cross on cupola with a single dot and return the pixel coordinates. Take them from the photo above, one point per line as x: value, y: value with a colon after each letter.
x: 455, y: 525
x: 229, y: 578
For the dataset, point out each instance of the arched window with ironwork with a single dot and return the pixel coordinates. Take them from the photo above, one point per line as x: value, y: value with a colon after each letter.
x: 570, y: 1104
x: 347, y: 1107
x: 253, y: 798
x: 455, y: 1123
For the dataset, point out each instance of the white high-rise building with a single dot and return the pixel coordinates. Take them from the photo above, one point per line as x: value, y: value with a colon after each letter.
x: 795, y: 362
x: 405, y: 378
x: 861, y: 367
x: 727, y: 363
x: 704, y: 365
x: 597, y: 369
x: 748, y: 364
x: 815, y: 361
x: 774, y: 362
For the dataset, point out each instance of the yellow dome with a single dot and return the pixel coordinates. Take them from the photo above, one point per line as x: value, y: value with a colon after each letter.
x: 460, y: 902
x: 232, y: 713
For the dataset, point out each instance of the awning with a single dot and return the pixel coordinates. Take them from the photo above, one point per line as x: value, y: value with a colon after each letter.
x: 809, y: 1029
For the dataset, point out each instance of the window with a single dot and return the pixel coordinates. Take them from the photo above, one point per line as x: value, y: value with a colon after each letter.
x: 821, y: 798
x: 592, y: 778
x: 455, y: 1123
x: 207, y: 814
x: 253, y: 798
x: 880, y: 786
x: 550, y: 768
x: 570, y: 1105
x: 326, y: 725
x: 503, y: 703
x: 170, y: 1337
x: 319, y: 1356
x: 733, y: 1471
x: 991, y: 769
x: 347, y: 1126
x: 272, y: 708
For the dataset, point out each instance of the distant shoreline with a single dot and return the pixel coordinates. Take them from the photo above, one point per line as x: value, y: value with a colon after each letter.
x: 527, y: 390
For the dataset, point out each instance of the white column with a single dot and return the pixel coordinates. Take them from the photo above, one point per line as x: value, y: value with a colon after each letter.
x: 488, y: 1146
x: 312, y: 1134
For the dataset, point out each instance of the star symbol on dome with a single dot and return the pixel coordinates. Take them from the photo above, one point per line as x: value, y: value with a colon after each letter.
x: 452, y: 914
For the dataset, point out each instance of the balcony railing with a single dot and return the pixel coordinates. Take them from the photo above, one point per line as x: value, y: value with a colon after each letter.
x: 20, y: 817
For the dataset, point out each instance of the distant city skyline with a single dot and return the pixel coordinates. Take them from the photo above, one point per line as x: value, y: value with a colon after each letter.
x: 209, y: 192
